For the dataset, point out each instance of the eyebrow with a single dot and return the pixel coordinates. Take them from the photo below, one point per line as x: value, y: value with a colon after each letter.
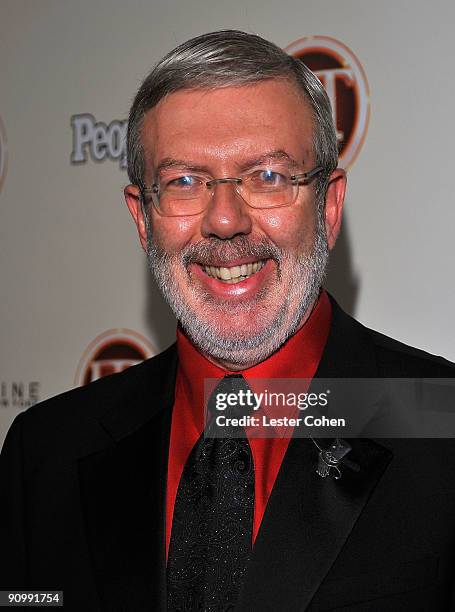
x: 171, y: 162
x: 276, y: 155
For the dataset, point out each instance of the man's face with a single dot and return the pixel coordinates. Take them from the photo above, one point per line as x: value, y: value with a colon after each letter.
x: 271, y: 260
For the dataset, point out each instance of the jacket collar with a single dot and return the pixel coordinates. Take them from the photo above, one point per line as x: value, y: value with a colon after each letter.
x: 148, y: 390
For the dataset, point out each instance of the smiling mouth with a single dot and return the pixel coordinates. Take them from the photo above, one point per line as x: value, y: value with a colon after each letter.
x: 234, y: 274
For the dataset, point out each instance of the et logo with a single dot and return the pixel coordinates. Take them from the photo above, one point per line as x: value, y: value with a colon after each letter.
x: 113, y: 351
x: 346, y: 85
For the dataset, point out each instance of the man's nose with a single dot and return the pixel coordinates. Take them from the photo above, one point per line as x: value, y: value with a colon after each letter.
x: 226, y: 214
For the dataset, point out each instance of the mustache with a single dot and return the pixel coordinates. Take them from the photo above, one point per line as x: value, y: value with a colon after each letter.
x: 206, y: 251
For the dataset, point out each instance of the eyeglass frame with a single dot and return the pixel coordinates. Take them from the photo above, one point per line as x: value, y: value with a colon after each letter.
x: 303, y: 178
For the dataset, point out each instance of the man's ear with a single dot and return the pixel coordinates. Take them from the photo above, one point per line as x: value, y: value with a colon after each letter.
x: 133, y: 201
x: 334, y: 205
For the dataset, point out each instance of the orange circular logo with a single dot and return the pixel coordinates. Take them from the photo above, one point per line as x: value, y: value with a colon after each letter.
x: 346, y: 85
x: 112, y: 351
x: 3, y: 156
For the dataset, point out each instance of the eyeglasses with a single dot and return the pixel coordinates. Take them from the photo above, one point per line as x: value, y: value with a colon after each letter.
x: 185, y: 194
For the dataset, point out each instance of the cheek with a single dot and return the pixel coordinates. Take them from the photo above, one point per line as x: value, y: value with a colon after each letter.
x: 289, y: 229
x: 173, y: 233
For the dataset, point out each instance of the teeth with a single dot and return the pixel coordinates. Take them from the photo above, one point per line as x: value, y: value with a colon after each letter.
x: 225, y: 274
x: 234, y: 274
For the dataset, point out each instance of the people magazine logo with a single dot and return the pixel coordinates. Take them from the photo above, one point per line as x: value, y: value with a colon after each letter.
x: 346, y: 85
x: 3, y: 154
x: 111, y: 352
x: 98, y: 140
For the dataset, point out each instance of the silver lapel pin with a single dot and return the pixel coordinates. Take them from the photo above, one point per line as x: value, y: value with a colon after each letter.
x: 330, y: 458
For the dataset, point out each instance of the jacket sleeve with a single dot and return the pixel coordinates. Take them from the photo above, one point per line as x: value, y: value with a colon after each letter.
x: 12, y: 510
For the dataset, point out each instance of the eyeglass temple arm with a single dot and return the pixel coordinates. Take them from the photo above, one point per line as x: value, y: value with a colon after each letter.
x: 307, y: 176
x: 152, y: 189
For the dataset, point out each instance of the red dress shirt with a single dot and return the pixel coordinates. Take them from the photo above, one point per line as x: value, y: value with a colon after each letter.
x: 298, y: 358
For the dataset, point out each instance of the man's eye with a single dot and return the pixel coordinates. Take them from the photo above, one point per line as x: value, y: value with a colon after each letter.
x: 184, y: 183
x: 268, y: 178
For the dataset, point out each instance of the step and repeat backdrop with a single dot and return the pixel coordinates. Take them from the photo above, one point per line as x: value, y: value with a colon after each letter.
x: 77, y: 300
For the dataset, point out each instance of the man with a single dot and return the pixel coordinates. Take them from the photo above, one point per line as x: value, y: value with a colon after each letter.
x: 113, y: 493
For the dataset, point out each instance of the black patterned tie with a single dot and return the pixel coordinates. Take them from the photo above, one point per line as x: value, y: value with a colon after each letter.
x: 212, y: 527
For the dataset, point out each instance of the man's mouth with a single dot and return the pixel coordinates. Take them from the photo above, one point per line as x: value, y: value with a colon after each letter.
x: 234, y: 274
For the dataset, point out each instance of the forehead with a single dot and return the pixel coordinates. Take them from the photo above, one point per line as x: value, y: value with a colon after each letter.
x: 223, y: 124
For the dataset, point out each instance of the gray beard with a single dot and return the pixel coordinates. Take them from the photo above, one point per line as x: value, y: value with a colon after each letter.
x: 248, y: 349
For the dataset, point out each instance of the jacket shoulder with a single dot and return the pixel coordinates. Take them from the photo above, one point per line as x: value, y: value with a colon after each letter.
x: 396, y: 359
x: 356, y: 348
x: 76, y: 414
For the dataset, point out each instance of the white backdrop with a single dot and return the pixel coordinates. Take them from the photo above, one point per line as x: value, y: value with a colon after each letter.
x: 71, y: 266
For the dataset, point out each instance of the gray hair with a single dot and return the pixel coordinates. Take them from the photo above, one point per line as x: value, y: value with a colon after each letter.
x: 231, y: 58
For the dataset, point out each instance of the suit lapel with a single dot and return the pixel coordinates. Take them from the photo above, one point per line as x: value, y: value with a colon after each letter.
x: 307, y: 521
x: 123, y: 487
x: 308, y: 518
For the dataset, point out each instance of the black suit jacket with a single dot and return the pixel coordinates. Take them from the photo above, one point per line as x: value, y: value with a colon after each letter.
x: 82, y: 500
